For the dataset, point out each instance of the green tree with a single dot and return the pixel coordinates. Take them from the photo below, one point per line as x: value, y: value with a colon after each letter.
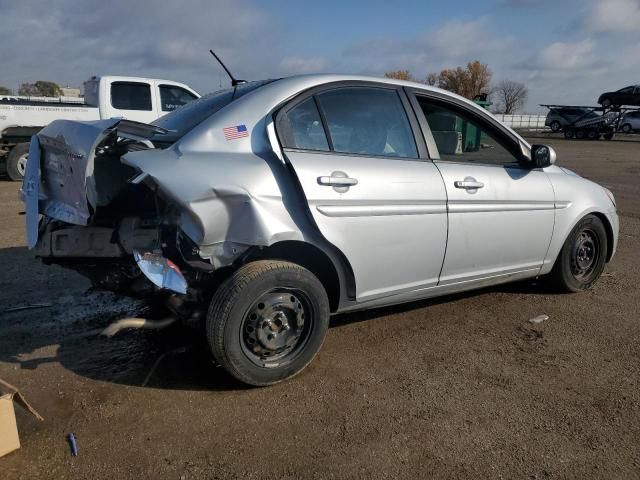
x: 5, y: 91
x: 42, y: 88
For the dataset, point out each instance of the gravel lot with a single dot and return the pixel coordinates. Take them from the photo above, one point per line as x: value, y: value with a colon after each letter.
x: 460, y: 387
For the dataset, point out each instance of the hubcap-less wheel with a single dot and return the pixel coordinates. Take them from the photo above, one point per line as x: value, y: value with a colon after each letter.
x: 585, y: 254
x: 555, y: 126
x: 22, y: 164
x: 276, y: 327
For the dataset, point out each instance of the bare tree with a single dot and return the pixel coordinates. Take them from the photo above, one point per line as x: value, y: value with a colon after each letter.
x: 400, y: 75
x: 510, y: 96
x: 468, y: 82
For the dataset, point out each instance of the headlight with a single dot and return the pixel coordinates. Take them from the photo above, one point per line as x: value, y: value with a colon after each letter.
x: 610, y: 195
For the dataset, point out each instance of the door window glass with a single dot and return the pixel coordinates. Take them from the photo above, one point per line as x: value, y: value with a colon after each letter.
x: 368, y: 121
x: 301, y: 127
x: 172, y: 97
x: 131, y: 96
x: 461, y: 138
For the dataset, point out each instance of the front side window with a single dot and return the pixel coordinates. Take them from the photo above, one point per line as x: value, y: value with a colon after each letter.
x: 172, y: 97
x: 461, y: 137
x: 367, y: 121
x: 626, y: 90
x: 131, y: 96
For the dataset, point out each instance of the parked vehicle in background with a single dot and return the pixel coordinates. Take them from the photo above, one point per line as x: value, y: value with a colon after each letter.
x: 561, y: 117
x: 260, y: 210
x: 134, y: 98
x: 630, y: 122
x: 625, y: 96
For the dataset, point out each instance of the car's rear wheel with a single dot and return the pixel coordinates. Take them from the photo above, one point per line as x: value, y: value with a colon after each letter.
x: 267, y: 321
x: 17, y: 162
x: 583, y: 256
x: 593, y: 134
x: 569, y: 133
x: 555, y: 126
x: 580, y: 134
x: 626, y: 128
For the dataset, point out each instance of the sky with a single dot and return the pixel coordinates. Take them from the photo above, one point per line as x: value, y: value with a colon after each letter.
x: 564, y: 51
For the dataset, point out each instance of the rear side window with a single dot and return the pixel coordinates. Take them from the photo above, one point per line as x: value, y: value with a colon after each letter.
x: 368, y: 121
x: 172, y: 97
x: 131, y: 96
x: 302, y: 127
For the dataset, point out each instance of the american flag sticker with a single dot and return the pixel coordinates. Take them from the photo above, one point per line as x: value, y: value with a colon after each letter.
x: 237, y: 131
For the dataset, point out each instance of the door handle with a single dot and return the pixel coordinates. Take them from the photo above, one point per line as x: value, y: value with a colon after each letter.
x: 337, y: 181
x: 468, y: 184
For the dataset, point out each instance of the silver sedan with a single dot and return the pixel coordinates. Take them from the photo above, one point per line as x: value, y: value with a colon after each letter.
x: 261, y: 210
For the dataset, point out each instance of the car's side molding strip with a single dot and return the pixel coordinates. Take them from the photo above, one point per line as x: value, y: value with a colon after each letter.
x: 469, y: 206
x: 381, y: 210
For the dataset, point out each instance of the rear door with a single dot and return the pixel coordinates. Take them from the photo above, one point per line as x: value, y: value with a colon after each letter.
x: 132, y: 101
x: 501, y: 213
x: 370, y: 188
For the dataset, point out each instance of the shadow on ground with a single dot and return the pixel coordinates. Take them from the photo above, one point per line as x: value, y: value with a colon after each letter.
x: 58, y: 318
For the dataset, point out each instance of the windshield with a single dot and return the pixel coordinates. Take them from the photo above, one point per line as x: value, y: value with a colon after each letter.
x: 187, y: 117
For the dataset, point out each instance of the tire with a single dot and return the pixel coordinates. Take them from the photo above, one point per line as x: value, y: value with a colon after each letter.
x: 580, y: 134
x: 608, y: 136
x: 606, y: 103
x: 626, y: 128
x: 569, y: 133
x: 555, y: 126
x: 583, y: 256
x: 248, y: 318
x: 17, y: 162
x: 592, y: 134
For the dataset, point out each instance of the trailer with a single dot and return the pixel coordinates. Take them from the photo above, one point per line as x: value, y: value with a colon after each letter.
x: 594, y: 122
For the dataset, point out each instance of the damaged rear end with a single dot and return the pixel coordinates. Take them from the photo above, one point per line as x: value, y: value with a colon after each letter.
x: 89, y: 211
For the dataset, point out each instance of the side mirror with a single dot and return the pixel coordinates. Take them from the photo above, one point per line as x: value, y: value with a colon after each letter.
x: 542, y: 156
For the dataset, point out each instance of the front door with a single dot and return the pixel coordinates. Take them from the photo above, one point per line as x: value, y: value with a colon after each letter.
x: 501, y: 213
x: 369, y: 187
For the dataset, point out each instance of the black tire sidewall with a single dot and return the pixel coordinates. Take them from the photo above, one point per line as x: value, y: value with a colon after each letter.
x: 555, y: 126
x: 12, y: 161
x: 566, y: 277
x: 626, y: 128
x: 229, y: 351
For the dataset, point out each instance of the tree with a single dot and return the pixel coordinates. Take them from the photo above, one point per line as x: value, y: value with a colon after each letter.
x: 43, y: 88
x: 468, y: 82
x: 510, y: 96
x: 400, y: 75
x: 5, y: 91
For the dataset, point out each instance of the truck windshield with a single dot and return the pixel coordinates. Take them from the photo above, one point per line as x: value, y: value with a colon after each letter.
x: 185, y: 118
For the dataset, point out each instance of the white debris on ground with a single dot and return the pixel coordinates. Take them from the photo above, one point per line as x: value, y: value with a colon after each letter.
x: 538, y: 319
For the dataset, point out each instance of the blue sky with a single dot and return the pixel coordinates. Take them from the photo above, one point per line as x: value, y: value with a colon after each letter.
x: 565, y: 51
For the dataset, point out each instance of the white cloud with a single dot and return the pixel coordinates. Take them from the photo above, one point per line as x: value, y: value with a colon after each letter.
x: 567, y: 56
x: 297, y: 64
x: 614, y: 16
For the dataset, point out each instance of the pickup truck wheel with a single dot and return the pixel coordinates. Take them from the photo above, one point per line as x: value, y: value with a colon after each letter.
x: 582, y: 258
x: 267, y: 321
x: 17, y: 162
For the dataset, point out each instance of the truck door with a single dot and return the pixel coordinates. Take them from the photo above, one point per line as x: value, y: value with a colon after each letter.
x: 132, y: 101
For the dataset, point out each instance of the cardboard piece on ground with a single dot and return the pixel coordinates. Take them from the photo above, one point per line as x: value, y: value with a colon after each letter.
x: 9, y: 439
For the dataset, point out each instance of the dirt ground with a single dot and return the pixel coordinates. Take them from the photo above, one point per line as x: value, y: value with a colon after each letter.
x: 460, y: 387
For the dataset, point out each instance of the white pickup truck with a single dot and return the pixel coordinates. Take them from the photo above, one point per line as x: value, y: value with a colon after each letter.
x: 133, y: 98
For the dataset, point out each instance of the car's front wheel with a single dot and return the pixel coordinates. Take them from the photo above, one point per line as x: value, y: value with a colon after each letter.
x: 583, y: 256
x: 267, y: 321
x: 555, y: 126
x: 606, y: 103
x: 626, y: 128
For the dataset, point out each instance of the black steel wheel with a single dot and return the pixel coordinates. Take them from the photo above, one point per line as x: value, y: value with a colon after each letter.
x: 267, y: 321
x: 555, y: 126
x: 583, y: 256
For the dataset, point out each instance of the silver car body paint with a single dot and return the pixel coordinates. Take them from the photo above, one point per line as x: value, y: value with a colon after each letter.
x: 404, y: 231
